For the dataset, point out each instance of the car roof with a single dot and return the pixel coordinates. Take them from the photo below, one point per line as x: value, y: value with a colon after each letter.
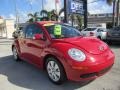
x: 96, y: 27
x: 46, y: 22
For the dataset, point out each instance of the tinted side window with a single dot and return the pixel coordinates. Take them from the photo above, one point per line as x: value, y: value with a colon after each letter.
x: 31, y: 30
x: 28, y: 33
x: 37, y: 30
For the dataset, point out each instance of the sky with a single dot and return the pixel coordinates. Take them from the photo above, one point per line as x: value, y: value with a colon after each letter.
x: 7, y: 7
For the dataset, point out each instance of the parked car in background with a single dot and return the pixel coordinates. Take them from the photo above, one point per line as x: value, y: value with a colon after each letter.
x: 95, y: 32
x: 17, y: 33
x: 113, y: 34
x: 63, y: 52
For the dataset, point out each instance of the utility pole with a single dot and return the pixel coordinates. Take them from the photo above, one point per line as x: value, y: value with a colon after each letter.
x: 16, y: 14
x: 65, y: 11
x: 30, y: 2
x: 114, y: 11
x: 56, y: 5
x: 118, y: 11
x: 85, y: 13
x: 42, y: 5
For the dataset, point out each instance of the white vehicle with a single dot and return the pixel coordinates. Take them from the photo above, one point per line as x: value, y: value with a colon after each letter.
x: 95, y: 32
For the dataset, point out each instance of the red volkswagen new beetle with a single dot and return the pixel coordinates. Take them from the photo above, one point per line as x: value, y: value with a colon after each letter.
x: 62, y: 52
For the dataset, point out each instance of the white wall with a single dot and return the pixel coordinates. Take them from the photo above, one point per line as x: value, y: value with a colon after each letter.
x: 9, y: 27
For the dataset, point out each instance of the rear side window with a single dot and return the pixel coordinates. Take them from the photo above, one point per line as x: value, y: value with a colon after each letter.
x: 89, y: 29
x: 31, y: 30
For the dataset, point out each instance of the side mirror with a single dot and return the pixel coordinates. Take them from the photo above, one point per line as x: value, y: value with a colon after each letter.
x: 38, y: 36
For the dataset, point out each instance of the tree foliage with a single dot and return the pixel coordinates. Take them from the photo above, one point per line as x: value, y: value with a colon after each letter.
x: 33, y: 17
x: 45, y: 16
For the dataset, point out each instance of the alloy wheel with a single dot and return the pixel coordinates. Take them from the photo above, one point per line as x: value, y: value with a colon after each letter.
x: 53, y: 71
x: 15, y: 53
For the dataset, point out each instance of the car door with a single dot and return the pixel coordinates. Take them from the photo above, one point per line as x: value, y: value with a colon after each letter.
x: 24, y: 37
x: 35, y: 47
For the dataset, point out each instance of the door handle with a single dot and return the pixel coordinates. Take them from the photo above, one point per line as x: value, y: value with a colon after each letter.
x: 24, y: 42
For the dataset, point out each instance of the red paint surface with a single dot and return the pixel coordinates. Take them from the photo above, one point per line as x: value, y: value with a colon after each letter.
x: 34, y: 51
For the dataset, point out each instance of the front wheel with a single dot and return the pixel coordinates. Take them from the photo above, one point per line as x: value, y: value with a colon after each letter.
x: 55, y: 71
x: 15, y: 54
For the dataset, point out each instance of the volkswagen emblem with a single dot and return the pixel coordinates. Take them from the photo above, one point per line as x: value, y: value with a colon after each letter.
x: 101, y: 48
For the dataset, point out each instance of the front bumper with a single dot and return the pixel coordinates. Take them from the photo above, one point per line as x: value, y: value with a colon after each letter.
x: 90, y: 71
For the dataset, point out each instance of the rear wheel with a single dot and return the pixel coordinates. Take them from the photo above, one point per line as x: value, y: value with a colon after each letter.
x: 55, y: 71
x: 15, y: 54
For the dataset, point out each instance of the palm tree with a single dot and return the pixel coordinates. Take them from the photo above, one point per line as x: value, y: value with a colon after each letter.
x: 61, y: 11
x: 49, y: 15
x: 73, y: 18
x: 34, y: 17
x: 54, y: 15
x: 44, y: 13
x: 80, y: 21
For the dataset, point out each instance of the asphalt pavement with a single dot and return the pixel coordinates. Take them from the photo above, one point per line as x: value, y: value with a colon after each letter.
x: 24, y: 76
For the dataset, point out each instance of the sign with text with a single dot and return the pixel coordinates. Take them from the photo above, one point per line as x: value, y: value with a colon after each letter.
x: 75, y: 6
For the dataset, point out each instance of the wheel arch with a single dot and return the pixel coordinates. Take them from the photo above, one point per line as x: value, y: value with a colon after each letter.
x: 13, y: 46
x: 50, y: 55
x: 58, y: 59
x: 16, y: 46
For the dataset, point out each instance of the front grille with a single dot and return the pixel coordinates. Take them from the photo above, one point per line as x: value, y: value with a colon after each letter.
x: 96, y: 73
x: 88, y: 75
x: 104, y: 70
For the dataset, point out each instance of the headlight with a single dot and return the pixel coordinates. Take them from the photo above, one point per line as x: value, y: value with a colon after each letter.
x: 76, y: 54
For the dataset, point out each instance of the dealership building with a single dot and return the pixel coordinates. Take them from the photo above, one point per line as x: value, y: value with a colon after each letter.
x: 100, y: 20
x: 6, y: 28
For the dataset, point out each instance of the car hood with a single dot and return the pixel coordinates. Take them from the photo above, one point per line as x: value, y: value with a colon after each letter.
x: 89, y: 44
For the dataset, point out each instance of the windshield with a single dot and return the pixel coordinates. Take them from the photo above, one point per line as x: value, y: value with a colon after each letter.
x: 59, y: 31
x: 104, y: 30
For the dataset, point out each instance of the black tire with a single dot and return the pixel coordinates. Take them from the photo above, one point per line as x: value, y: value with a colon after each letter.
x: 15, y: 54
x: 62, y: 76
